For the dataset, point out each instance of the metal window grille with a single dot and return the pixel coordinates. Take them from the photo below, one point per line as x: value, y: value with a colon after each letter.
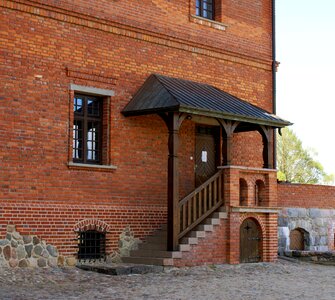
x: 205, y: 9
x: 92, y: 245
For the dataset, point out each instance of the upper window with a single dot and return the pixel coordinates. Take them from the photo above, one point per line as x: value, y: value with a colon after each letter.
x: 205, y: 9
x: 87, y: 129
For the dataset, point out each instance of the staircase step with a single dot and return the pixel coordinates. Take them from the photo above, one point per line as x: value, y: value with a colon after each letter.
x: 189, y: 240
x: 220, y: 215
x: 197, y: 234
x: 148, y: 261
x: 155, y: 253
x: 153, y: 246
x: 205, y: 227
x: 184, y: 247
x: 212, y: 221
x: 155, y: 239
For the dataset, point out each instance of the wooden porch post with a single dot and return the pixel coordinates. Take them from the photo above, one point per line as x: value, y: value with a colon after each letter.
x: 173, y: 121
x: 227, y: 135
x: 267, y: 135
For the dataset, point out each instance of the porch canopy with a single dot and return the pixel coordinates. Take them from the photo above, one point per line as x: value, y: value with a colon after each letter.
x: 161, y: 94
x: 174, y: 100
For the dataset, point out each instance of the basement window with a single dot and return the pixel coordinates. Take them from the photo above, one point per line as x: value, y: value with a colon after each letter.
x: 92, y: 245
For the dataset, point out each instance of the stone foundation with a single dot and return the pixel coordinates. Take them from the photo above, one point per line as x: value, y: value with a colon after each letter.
x: 24, y: 251
x: 318, y: 223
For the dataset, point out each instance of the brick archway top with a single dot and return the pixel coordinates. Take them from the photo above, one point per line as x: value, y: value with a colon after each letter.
x: 256, y: 219
x: 91, y: 224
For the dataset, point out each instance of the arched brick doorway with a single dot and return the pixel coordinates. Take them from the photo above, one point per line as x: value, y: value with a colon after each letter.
x: 250, y: 241
x: 299, y: 239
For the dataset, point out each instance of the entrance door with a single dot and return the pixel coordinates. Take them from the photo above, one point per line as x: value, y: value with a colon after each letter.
x: 205, y: 153
x: 297, y: 240
x: 250, y: 239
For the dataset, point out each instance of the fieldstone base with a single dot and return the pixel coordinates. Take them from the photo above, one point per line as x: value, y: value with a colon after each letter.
x: 318, y: 223
x: 24, y: 251
x: 315, y: 256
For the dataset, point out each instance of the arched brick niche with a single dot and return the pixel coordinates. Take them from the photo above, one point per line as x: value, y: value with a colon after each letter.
x: 243, y: 196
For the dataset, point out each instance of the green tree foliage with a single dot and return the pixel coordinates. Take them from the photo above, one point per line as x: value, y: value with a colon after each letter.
x: 296, y: 164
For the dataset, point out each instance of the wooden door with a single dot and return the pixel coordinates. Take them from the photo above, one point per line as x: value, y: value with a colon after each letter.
x: 297, y: 240
x: 205, y: 153
x: 250, y: 242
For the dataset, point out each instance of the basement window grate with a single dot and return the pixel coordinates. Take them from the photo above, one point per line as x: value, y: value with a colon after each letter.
x: 92, y: 245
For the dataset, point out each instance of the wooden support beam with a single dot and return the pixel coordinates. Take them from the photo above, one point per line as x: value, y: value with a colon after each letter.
x: 173, y: 121
x: 268, y: 157
x: 228, y: 128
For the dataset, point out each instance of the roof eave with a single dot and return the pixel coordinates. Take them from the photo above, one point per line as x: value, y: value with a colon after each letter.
x: 234, y: 117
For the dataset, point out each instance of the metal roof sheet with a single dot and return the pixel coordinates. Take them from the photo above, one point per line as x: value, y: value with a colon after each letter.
x: 161, y: 94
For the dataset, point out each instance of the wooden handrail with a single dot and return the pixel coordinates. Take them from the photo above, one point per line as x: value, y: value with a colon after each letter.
x: 199, y: 204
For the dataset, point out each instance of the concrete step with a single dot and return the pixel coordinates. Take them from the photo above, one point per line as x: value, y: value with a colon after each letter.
x: 197, y: 234
x: 153, y: 246
x: 212, y: 221
x: 189, y: 240
x: 205, y: 227
x: 154, y: 239
x: 155, y: 253
x: 148, y: 261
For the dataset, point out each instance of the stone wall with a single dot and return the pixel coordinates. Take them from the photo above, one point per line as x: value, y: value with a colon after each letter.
x: 318, y: 223
x: 23, y: 251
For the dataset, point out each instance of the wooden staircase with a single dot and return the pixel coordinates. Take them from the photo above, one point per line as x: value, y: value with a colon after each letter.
x: 153, y: 250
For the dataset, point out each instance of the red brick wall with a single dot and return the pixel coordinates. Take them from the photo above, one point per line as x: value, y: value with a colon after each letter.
x: 55, y: 223
x: 111, y: 45
x: 306, y: 195
x: 223, y: 244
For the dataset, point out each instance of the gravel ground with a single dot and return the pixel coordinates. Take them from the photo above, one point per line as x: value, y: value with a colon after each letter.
x: 281, y: 280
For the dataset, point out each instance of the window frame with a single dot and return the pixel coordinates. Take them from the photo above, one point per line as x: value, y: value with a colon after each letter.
x: 201, y: 9
x: 86, y: 118
x: 105, y: 154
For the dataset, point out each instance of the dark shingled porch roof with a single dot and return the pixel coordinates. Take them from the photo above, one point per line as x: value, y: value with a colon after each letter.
x: 161, y: 94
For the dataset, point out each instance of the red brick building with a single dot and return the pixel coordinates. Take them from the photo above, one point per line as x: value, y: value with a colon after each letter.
x: 112, y: 113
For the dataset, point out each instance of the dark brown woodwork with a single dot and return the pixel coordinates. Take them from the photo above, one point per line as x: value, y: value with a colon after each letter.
x: 206, y: 141
x: 267, y: 135
x: 199, y: 204
x: 227, y: 137
x: 173, y: 121
x: 250, y: 242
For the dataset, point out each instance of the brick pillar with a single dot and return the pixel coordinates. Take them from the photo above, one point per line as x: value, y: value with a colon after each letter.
x: 233, y: 247
x: 270, y: 238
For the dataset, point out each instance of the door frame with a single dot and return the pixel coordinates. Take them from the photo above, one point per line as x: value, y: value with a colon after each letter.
x: 217, y: 144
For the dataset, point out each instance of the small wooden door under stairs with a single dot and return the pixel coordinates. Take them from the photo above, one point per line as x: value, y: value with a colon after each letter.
x: 250, y: 242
